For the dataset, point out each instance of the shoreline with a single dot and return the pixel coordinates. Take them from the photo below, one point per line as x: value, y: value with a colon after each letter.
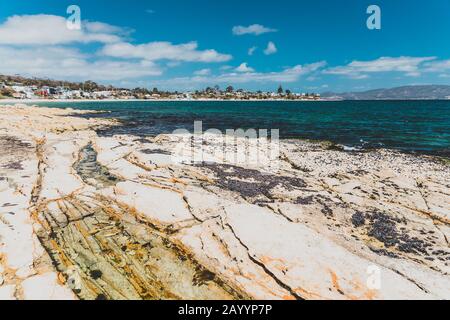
x: 326, y: 216
x: 27, y: 101
x: 440, y: 156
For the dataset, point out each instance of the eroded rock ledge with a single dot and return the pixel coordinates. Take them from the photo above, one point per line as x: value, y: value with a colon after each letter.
x: 89, y: 217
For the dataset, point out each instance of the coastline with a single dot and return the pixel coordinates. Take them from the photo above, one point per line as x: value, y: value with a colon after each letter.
x: 28, y: 101
x: 422, y: 146
x: 204, y: 222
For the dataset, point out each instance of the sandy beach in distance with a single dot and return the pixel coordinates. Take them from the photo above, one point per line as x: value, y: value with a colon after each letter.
x: 86, y: 216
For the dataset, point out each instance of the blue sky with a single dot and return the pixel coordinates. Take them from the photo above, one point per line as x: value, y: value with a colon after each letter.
x: 304, y: 45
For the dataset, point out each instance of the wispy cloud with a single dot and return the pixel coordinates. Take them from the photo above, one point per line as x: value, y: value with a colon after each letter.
x: 154, y: 51
x: 437, y: 66
x: 410, y: 66
x: 271, y: 48
x: 254, y: 29
x: 287, y: 75
x: 243, y: 67
x: 71, y: 64
x: 150, y: 11
x: 252, y: 50
x: 203, y: 72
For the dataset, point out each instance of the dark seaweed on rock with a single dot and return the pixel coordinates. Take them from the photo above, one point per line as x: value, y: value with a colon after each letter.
x: 12, y: 143
x: 358, y: 219
x: 305, y: 200
x: 15, y: 149
x: 14, y: 165
x: 155, y: 151
x: 384, y: 229
x: 384, y: 252
x: 251, y: 183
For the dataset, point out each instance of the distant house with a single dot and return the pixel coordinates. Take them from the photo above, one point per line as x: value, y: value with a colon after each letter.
x: 48, y: 91
x: 18, y: 95
x: 101, y: 94
x: 25, y: 92
x: 41, y: 93
x: 18, y: 88
x: 75, y: 94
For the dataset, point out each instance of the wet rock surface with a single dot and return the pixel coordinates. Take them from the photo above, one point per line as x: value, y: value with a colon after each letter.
x: 114, y: 217
x: 104, y: 251
x: 88, y: 168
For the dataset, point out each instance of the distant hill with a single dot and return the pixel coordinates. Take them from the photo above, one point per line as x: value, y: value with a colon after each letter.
x: 428, y: 92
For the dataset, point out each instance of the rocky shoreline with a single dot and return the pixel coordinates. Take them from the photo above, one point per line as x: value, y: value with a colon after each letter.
x: 89, y: 217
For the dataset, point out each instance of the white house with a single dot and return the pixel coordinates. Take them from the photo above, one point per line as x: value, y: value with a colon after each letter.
x: 23, y: 92
x: 102, y: 94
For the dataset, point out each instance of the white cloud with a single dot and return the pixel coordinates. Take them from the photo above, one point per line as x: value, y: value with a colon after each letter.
x: 288, y: 75
x: 150, y: 11
x: 203, y: 72
x: 243, y: 67
x: 437, y: 66
x: 271, y: 48
x: 154, y: 51
x: 43, y: 46
x: 252, y: 50
x: 100, y: 27
x: 70, y: 64
x: 37, y: 45
x: 52, y: 30
x: 360, y: 69
x: 255, y: 29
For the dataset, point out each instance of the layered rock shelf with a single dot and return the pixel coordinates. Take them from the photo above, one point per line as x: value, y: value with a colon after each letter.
x: 84, y: 216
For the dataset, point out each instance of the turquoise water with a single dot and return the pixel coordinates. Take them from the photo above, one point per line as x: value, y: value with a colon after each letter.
x: 412, y: 126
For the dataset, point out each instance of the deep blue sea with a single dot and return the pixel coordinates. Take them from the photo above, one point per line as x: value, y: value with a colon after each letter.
x: 411, y: 126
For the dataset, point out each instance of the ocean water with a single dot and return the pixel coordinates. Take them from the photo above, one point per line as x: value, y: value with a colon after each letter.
x: 410, y: 126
